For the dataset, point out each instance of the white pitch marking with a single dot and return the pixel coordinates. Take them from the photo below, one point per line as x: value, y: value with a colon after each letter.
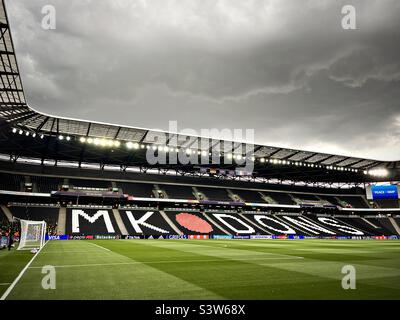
x: 11, y: 287
x: 165, y: 261
x: 5, y: 284
x: 93, y: 244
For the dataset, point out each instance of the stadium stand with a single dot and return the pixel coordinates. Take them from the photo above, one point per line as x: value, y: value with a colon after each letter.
x: 193, y: 222
x: 331, y: 199
x: 48, y: 214
x: 11, y: 182
x: 45, y: 184
x: 387, y: 203
x: 235, y: 224
x: 385, y: 227
x: 3, y: 218
x: 360, y: 224
x: 140, y: 222
x: 354, y: 201
x: 280, y: 197
x: 137, y: 189
x: 304, y: 196
x: 85, y: 183
x: 215, y: 194
x: 249, y: 196
x: 178, y: 192
x: 85, y: 221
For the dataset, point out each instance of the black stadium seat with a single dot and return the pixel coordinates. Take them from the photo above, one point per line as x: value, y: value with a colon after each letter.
x: 178, y: 192
x: 144, y: 190
x: 215, y: 194
x: 48, y: 214
x: 12, y: 182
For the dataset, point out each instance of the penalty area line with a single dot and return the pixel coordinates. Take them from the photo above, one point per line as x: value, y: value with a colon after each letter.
x: 93, y: 244
x: 14, y: 283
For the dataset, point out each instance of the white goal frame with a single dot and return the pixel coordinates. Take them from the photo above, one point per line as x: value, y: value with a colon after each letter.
x: 32, y: 240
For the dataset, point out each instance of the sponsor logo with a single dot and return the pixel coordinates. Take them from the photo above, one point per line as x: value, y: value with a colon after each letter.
x: 175, y: 236
x: 56, y: 237
x: 132, y: 237
x: 105, y: 237
x: 260, y: 236
x: 198, y: 236
x: 241, y: 237
x: 221, y: 236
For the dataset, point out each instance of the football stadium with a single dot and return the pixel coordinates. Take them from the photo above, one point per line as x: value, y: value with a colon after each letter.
x: 85, y: 215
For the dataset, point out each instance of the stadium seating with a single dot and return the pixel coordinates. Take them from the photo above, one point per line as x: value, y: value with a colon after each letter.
x: 49, y: 214
x: 361, y: 224
x: 178, y: 192
x: 280, y: 197
x: 12, y: 182
x: 388, y: 203
x: 304, y: 196
x: 140, y: 222
x: 215, y: 194
x: 84, y: 221
x: 385, y: 227
x: 193, y: 222
x: 137, y: 189
x: 46, y: 184
x: 355, y: 201
x: 85, y: 183
x: 248, y: 196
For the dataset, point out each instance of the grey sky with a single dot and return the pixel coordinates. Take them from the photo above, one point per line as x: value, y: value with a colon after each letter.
x: 285, y: 68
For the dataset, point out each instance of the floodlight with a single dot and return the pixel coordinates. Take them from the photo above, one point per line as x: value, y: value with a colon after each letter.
x: 129, y: 145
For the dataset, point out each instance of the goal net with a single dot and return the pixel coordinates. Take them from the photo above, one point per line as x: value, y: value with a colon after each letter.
x: 32, y: 234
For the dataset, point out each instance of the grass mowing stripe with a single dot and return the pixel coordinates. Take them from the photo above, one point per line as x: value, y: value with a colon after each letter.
x: 9, y: 289
x: 158, y: 262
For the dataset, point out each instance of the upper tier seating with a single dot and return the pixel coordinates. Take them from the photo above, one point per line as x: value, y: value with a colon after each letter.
x: 178, y: 192
x: 46, y: 184
x: 86, y: 183
x: 144, y: 190
x: 215, y: 194
x: 304, y: 196
x: 12, y: 182
x: 248, y: 195
x: 280, y: 197
x: 388, y: 203
x: 355, y: 202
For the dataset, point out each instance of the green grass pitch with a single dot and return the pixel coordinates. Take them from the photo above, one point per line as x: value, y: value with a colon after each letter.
x: 205, y: 269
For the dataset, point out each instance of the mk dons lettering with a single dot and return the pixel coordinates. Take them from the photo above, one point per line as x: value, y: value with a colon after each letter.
x: 308, y: 225
x: 100, y: 213
x: 340, y: 227
x: 221, y: 216
x: 286, y: 230
x: 142, y: 221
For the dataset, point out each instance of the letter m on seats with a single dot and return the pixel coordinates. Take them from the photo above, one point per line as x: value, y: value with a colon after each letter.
x: 92, y: 219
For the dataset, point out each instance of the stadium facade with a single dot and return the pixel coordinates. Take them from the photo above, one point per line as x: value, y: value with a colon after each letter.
x: 90, y: 179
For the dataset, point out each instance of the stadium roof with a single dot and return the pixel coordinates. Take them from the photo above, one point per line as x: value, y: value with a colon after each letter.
x: 26, y: 132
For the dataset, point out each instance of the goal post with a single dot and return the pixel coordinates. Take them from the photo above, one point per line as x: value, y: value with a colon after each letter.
x: 33, y: 234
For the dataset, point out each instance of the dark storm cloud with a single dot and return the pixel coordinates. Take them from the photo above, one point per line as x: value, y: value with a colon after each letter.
x: 285, y: 68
